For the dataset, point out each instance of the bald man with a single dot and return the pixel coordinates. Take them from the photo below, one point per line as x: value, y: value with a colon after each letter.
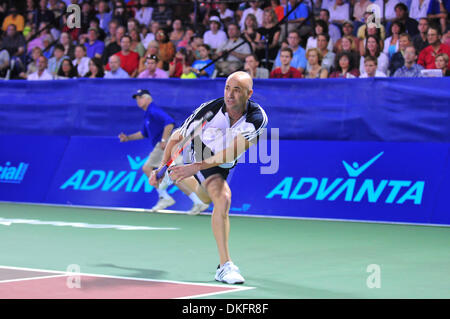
x: 235, y: 126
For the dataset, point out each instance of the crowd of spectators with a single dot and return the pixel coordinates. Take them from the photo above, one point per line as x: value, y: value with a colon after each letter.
x: 40, y: 39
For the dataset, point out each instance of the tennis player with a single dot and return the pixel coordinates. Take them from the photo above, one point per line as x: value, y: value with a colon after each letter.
x: 236, y: 124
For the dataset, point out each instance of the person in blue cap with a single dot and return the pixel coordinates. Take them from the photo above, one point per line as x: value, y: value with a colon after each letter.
x: 158, y: 127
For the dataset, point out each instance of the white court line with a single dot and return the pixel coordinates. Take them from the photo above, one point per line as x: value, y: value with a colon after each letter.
x: 62, y: 273
x: 31, y: 278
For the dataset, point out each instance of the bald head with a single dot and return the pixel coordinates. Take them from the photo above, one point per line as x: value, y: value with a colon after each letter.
x: 114, y: 62
x: 238, y: 89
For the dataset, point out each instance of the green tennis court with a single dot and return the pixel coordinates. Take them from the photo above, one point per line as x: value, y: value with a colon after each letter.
x: 129, y: 254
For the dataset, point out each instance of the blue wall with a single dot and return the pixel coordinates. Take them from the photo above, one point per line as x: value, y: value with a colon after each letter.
x: 372, y: 150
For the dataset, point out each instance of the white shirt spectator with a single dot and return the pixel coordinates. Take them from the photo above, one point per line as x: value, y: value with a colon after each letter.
x: 227, y: 14
x: 383, y: 63
x: 378, y: 74
x: 334, y: 32
x: 148, y: 38
x: 312, y: 43
x: 46, y: 75
x: 340, y: 12
x: 83, y: 66
x: 215, y: 40
x: 389, y: 8
x: 259, y: 13
x: 417, y: 11
x: 326, y: 4
x: 144, y: 15
x: 387, y: 44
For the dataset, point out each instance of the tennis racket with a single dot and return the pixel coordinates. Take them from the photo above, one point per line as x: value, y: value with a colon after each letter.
x: 206, y: 118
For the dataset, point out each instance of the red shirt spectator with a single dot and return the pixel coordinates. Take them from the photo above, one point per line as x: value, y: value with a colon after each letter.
x: 292, y: 73
x: 427, y: 56
x: 286, y: 71
x: 129, y: 60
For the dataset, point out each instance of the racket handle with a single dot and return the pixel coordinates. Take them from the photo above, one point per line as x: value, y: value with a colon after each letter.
x: 161, y: 173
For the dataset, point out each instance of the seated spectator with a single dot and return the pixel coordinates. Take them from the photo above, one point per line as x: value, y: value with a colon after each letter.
x: 296, y: 20
x: 194, y: 45
x: 204, y: 60
x: 32, y: 65
x: 252, y: 67
x: 299, y: 59
x: 344, y: 67
x: 397, y: 60
x: 391, y: 43
x: 214, y: 37
x: 232, y: 61
x: 339, y: 12
x: 120, y: 13
x: 104, y: 15
x: 15, y: 19
x: 321, y: 28
x: 250, y: 33
x: 347, y: 44
x: 42, y: 14
x: 270, y: 34
x: 410, y: 69
x: 285, y: 71
x: 114, y: 46
x: 13, y: 42
x: 370, y: 68
x: 333, y: 30
x: 4, y: 63
x: 373, y: 49
x: 67, y: 70
x: 111, y: 34
x: 115, y: 72
x: 256, y: 11
x: 327, y: 56
x: 188, y: 34
x: 144, y: 13
x: 146, y: 35
x: 314, y: 69
x: 136, y: 45
x: 54, y: 63
x: 363, y: 31
x: 152, y: 71
x: 278, y: 9
x: 418, y: 9
x: 225, y: 14
x: 152, y: 49
x: 359, y: 9
x: 94, y: 47
x: 166, y: 48
x: 428, y: 55
x: 95, y: 69
x: 177, y: 32
x: 371, y: 31
x: 66, y: 42
x: 402, y: 15
x: 389, y: 7
x: 442, y: 64
x: 347, y: 30
x: 163, y: 14
x: 81, y: 61
x: 180, y: 65
x: 420, y: 39
x: 129, y: 60
x: 42, y: 73
x: 95, y: 24
x: 438, y: 12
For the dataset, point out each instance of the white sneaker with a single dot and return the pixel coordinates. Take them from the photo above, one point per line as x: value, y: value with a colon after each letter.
x: 198, y: 208
x: 229, y: 273
x: 163, y: 203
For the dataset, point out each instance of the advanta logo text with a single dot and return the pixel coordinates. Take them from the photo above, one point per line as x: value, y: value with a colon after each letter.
x: 13, y: 174
x: 129, y: 181
x: 351, y: 189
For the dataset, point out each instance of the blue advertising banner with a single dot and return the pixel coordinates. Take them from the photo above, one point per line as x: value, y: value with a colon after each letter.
x: 396, y: 182
x: 27, y: 166
x: 98, y: 171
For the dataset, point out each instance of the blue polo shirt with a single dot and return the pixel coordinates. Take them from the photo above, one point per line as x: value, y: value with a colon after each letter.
x: 155, y: 119
x: 97, y: 47
x: 300, y: 12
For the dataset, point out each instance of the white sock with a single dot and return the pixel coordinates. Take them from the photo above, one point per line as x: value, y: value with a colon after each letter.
x: 193, y: 196
x: 162, y: 193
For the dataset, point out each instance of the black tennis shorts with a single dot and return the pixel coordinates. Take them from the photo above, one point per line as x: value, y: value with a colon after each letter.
x: 202, y: 175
